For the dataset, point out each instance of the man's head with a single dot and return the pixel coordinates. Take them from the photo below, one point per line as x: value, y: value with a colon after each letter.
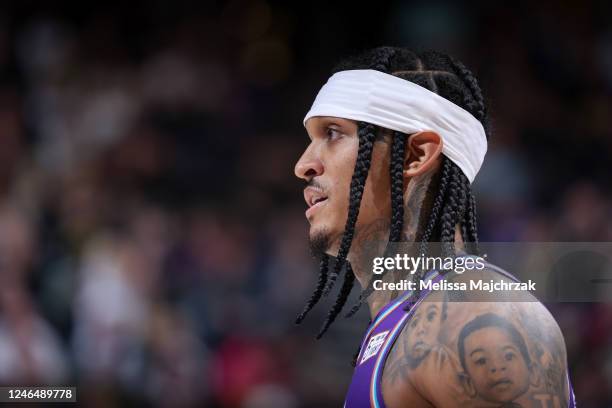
x: 358, y: 173
x: 327, y: 166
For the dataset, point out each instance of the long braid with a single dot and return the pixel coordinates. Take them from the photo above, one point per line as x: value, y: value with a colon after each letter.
x: 471, y: 226
x: 347, y: 285
x: 316, y: 295
x: 478, y: 109
x: 396, y: 172
x: 437, y: 206
x: 356, y: 355
x: 381, y: 63
x: 396, y: 168
x: 366, y: 133
x: 452, y: 209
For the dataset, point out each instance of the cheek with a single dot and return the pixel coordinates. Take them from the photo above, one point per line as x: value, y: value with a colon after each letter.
x: 340, y: 189
x: 517, y: 366
x: 435, y: 326
x: 478, y: 372
x: 339, y: 164
x: 376, y: 201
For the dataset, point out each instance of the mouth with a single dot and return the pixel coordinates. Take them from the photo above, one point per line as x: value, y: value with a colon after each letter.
x: 502, y: 384
x: 315, y: 199
x: 420, y: 346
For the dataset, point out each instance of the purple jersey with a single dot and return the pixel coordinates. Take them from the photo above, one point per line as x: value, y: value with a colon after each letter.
x: 365, y: 390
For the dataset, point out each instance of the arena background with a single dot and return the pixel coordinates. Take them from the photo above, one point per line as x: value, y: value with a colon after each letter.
x: 152, y: 234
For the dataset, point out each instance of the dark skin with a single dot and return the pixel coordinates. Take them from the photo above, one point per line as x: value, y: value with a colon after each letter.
x: 424, y: 368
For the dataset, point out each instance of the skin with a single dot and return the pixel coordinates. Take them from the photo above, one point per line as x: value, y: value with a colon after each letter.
x: 327, y: 166
x: 438, y: 380
x: 424, y: 329
x: 495, y: 365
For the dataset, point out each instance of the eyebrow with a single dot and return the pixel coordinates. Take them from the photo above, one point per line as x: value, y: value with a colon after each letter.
x: 479, y: 349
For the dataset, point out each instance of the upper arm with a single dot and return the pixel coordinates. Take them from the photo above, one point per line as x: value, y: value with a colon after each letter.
x: 479, y: 352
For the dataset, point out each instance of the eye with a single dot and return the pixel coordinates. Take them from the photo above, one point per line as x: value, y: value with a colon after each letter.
x: 509, y: 356
x: 431, y: 315
x: 332, y: 133
x: 481, y: 361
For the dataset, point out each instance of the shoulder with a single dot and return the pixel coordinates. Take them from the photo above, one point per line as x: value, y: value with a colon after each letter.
x: 476, y: 348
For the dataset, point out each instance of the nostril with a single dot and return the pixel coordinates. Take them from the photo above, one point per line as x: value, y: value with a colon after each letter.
x: 310, y: 173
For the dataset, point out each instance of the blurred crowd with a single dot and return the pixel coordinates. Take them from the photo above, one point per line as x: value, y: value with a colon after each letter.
x: 152, y: 238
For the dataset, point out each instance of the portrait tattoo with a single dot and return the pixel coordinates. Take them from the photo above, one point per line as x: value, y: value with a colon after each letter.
x: 495, y: 359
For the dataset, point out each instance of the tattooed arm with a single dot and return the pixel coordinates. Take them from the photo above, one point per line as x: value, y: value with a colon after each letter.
x: 478, y: 352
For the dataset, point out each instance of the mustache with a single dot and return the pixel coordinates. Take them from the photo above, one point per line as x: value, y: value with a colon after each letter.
x: 315, y: 184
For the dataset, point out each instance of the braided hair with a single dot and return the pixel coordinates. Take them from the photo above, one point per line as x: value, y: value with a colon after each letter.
x: 449, y: 200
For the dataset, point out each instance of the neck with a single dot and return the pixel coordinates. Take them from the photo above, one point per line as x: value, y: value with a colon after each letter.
x: 371, y: 241
x: 362, y: 267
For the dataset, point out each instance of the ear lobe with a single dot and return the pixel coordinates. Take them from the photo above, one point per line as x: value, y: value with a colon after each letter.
x: 423, y: 149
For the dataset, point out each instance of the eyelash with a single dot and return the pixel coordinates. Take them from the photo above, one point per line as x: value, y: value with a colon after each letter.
x: 330, y: 131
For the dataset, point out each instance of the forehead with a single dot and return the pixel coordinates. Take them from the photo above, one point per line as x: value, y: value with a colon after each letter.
x: 429, y: 308
x: 493, y: 334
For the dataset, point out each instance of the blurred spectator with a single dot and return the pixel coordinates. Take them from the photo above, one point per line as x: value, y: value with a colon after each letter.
x: 30, y: 349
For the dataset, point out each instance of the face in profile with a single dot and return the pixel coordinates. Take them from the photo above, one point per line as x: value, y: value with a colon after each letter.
x: 327, y: 166
x: 496, y: 361
x: 423, y: 332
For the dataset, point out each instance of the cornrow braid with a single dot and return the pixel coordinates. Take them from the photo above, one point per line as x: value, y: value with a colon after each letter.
x: 381, y: 62
x: 383, y: 59
x: 316, y: 295
x: 345, y: 290
x: 366, y: 133
x: 471, y: 227
x: 436, y: 207
x: 396, y: 172
x: 476, y: 103
x: 454, y: 201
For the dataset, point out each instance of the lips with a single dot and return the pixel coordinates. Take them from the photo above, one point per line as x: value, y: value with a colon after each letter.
x: 315, y: 198
x: 420, y: 347
x: 502, y: 384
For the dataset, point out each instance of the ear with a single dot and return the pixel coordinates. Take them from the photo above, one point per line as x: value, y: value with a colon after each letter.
x: 423, y: 149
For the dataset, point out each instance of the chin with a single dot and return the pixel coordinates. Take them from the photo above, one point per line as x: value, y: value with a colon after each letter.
x: 322, y: 241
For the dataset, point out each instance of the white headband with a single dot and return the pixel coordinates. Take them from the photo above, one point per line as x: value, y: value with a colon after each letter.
x: 394, y: 103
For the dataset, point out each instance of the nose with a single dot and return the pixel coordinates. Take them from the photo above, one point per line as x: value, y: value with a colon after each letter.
x: 308, y: 166
x: 498, y: 365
